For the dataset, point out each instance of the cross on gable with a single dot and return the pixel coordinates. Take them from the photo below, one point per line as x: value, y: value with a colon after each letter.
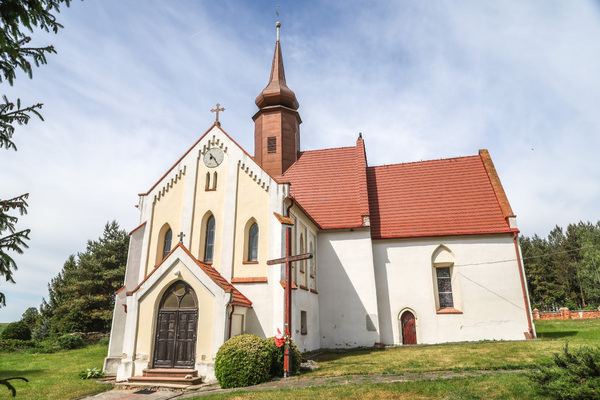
x: 217, y: 111
x: 181, y: 235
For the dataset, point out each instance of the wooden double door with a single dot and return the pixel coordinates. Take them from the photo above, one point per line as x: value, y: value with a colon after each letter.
x: 176, y: 330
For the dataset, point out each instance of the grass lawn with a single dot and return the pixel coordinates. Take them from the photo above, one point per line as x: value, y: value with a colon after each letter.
x: 52, y: 376
x: 454, y: 357
x: 55, y: 376
x: 514, y: 386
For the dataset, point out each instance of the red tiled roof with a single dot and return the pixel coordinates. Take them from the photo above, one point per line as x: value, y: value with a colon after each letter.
x: 437, y: 198
x: 238, y: 298
x: 331, y: 186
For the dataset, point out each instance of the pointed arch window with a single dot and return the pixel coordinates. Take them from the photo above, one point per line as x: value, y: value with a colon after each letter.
x: 167, y: 243
x: 209, y: 241
x: 253, y: 243
x: 447, y: 295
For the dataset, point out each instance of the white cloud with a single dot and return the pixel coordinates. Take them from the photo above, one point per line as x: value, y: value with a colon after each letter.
x: 132, y: 85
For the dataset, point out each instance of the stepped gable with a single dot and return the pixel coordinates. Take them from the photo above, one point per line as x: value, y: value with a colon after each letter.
x: 455, y: 196
x: 330, y: 186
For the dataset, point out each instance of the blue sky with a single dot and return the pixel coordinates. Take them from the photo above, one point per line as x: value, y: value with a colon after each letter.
x: 133, y: 83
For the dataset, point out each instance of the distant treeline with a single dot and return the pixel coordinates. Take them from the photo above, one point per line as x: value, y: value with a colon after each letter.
x: 81, y: 297
x: 563, y: 270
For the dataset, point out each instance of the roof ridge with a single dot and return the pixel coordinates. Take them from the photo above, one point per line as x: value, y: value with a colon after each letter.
x: 422, y: 161
x: 503, y: 202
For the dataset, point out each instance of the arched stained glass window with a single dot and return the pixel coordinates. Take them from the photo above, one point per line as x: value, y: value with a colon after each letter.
x: 253, y: 243
x: 167, y: 243
x: 209, y: 241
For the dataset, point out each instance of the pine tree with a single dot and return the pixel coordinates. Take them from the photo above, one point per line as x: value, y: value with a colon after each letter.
x: 17, y: 16
x: 81, y: 296
x: 563, y: 270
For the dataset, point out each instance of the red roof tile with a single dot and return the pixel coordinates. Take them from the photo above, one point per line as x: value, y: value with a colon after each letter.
x: 436, y: 198
x: 331, y: 186
x: 238, y: 298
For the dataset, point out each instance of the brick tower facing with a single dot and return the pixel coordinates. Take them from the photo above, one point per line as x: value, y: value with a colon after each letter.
x: 277, y: 123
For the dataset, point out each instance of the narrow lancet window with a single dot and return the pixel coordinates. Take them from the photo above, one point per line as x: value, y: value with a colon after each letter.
x: 167, y: 243
x: 253, y: 243
x: 209, y: 242
x: 444, y: 287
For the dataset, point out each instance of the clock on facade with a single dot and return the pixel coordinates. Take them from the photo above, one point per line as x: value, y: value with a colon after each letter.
x: 213, y: 157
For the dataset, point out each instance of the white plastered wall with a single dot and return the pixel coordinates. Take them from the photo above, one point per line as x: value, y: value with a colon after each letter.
x: 348, y: 314
x: 485, y: 283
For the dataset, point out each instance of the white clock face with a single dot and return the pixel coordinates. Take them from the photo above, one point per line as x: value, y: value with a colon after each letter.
x: 213, y: 157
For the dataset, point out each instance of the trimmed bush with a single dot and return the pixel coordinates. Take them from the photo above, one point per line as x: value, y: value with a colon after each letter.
x: 574, y: 375
x: 17, y: 330
x: 276, y: 354
x: 242, y: 361
x: 69, y: 342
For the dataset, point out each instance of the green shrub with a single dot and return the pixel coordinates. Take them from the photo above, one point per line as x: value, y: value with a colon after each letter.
x: 573, y: 375
x: 242, y: 361
x: 91, y: 373
x: 69, y: 342
x: 17, y: 330
x: 42, y: 331
x: 276, y: 354
x: 104, y: 341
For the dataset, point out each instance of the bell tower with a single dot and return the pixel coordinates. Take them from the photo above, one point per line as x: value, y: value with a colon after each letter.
x: 277, y: 122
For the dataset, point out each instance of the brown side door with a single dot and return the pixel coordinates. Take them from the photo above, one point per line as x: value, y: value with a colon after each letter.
x: 409, y: 330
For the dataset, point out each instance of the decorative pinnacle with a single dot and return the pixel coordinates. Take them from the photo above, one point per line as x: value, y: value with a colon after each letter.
x: 278, y: 25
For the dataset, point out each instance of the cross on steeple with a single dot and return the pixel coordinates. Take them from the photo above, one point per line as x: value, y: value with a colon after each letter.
x: 217, y: 111
x: 181, y: 235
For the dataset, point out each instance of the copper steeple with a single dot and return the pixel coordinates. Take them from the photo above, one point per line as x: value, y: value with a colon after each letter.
x: 277, y: 92
x: 277, y: 123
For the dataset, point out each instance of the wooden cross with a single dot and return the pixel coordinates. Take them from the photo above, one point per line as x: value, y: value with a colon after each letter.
x: 181, y: 235
x: 288, y: 260
x: 217, y: 111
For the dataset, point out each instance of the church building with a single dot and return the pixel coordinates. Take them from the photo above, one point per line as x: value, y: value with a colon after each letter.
x: 411, y: 253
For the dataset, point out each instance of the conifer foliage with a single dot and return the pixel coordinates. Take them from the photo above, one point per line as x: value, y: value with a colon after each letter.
x: 563, y: 270
x: 17, y: 18
x: 81, y: 296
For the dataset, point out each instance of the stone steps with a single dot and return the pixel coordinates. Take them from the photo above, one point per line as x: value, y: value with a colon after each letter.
x: 168, y: 376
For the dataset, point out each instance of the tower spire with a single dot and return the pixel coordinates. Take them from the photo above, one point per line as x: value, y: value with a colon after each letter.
x: 277, y: 123
x: 277, y: 92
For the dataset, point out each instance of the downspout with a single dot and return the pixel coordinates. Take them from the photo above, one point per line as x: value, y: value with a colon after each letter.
x: 231, y: 313
x: 230, y: 319
x: 287, y: 211
x: 525, y: 300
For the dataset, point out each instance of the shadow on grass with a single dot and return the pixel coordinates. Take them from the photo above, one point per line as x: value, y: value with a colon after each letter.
x: 337, y: 355
x: 15, y: 372
x: 556, y: 335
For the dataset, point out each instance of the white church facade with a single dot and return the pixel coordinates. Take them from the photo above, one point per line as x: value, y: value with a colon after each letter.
x: 414, y: 253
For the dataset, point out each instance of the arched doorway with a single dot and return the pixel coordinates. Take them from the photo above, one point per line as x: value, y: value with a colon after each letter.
x: 177, y: 323
x: 408, y: 328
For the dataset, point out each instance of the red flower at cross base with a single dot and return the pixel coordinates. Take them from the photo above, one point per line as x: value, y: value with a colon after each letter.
x: 281, y: 340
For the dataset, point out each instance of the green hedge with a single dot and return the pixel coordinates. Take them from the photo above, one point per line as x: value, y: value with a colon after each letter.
x: 69, y: 342
x: 243, y: 360
x: 17, y: 330
x: 276, y: 354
